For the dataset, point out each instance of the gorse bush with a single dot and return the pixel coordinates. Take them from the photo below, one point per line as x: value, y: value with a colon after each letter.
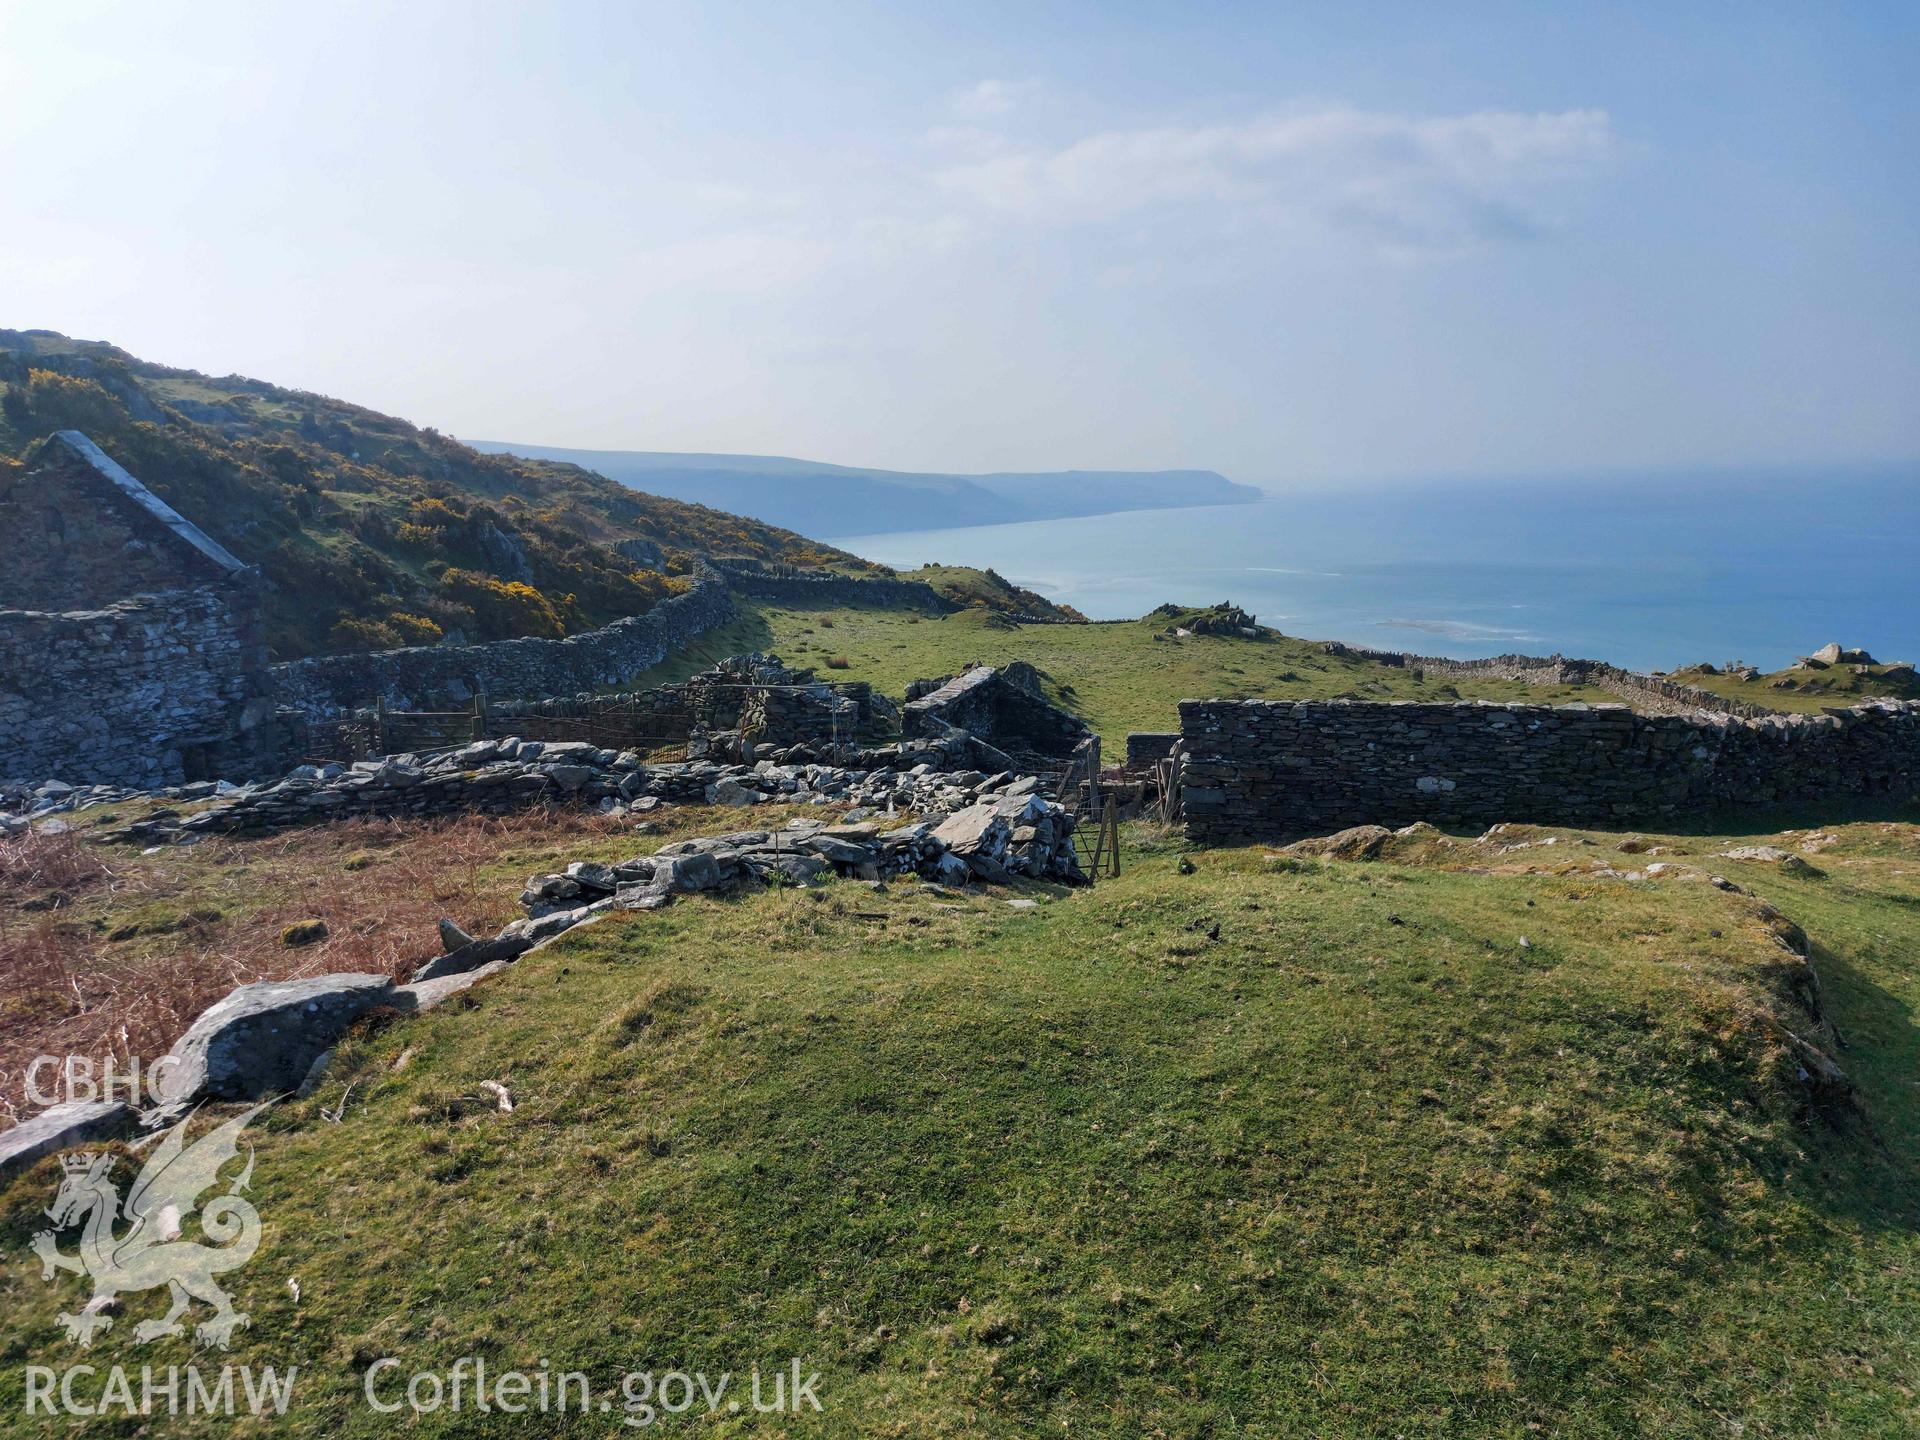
x: 398, y: 630
x: 503, y: 608
x: 370, y: 532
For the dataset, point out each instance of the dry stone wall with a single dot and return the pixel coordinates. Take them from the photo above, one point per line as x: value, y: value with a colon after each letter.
x: 1653, y: 694
x: 125, y: 694
x: 1257, y: 769
x: 430, y: 676
x: 823, y: 589
x: 1147, y: 748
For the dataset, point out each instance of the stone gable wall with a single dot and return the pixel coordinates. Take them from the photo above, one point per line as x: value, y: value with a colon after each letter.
x: 124, y: 694
x: 432, y: 677
x: 76, y: 540
x: 1272, y: 768
x: 130, y: 649
x: 1003, y: 705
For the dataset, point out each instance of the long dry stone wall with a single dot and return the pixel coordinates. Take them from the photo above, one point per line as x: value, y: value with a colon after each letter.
x: 824, y: 589
x: 424, y: 677
x: 1654, y: 693
x: 1257, y: 769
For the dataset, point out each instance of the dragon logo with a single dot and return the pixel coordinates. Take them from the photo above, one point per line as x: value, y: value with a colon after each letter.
x: 151, y: 1253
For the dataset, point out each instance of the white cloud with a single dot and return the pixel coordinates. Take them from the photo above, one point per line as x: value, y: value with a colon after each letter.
x: 1412, y: 184
x: 991, y: 99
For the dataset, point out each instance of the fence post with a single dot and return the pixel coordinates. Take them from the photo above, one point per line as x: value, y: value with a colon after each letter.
x: 379, y: 725
x: 479, y: 714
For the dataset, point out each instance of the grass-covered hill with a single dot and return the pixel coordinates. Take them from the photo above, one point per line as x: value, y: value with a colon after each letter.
x: 989, y: 590
x: 372, y: 531
x: 1491, y: 1135
x: 1806, y: 688
x: 1482, y: 1138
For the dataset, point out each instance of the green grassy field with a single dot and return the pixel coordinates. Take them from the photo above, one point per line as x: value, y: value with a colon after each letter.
x: 1267, y: 1149
x: 1809, y: 692
x: 1118, y: 677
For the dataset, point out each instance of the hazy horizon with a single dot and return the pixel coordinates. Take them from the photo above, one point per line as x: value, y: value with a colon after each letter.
x: 1571, y: 474
x: 1373, y: 244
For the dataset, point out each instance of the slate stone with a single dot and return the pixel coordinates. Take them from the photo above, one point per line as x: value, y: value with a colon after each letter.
x: 260, y: 1039
x: 61, y: 1127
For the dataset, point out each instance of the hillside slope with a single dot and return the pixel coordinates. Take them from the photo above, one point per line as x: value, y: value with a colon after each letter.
x: 372, y: 532
x: 823, y: 499
x: 1804, y: 688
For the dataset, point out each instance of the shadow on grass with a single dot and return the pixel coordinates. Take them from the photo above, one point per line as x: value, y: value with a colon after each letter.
x: 1795, y: 815
x: 1731, y: 825
x: 1879, y: 1048
x: 747, y: 633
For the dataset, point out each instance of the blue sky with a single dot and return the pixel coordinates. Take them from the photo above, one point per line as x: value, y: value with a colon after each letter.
x: 1302, y: 245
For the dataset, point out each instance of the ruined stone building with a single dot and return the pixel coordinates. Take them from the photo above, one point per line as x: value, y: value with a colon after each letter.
x: 130, y: 643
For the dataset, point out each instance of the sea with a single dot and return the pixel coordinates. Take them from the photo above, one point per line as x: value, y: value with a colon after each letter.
x: 1647, y: 571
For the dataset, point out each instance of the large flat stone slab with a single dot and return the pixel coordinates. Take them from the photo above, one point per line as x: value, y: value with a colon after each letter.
x: 262, y: 1039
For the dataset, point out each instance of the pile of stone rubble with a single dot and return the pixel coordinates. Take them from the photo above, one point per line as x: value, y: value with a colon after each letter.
x: 903, y: 811
x: 499, y: 775
x: 997, y: 839
x: 275, y: 1036
x: 37, y: 807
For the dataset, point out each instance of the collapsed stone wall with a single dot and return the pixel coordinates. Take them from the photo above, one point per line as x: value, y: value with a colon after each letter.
x: 668, y: 710
x: 1003, y: 705
x: 128, y: 693
x: 498, y: 776
x: 712, y: 699
x: 758, y: 692
x: 1268, y: 768
x: 429, y: 676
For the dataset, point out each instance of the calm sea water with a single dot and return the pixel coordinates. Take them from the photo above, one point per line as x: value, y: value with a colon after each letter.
x: 1651, y: 573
